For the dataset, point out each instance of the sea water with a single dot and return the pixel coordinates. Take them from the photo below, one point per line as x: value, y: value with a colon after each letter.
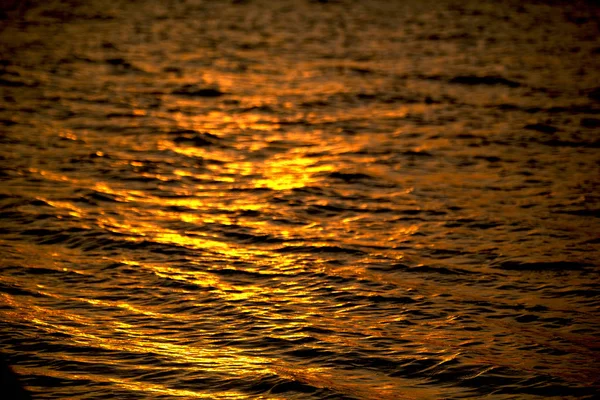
x: 300, y: 199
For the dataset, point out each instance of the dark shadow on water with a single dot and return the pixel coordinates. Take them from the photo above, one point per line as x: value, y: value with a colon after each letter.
x: 10, y: 385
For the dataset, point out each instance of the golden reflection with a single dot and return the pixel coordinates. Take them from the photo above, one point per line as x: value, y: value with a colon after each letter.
x: 73, y: 210
x: 121, y: 194
x: 358, y: 384
x: 53, y: 176
x: 257, y: 122
x: 205, y: 243
x: 67, y: 134
x: 102, y: 187
x: 196, y: 152
x: 285, y: 174
x: 86, y: 331
x: 225, y: 290
x: 280, y: 173
x: 131, y: 384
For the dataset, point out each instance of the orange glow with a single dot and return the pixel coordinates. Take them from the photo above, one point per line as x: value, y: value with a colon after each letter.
x: 253, y: 199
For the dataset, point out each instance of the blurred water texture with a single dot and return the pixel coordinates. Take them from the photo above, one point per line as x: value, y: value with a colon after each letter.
x: 300, y: 199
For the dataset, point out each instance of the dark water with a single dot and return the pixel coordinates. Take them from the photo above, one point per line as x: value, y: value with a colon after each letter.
x: 300, y: 199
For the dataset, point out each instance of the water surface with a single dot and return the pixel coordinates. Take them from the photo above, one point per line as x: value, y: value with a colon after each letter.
x: 300, y: 199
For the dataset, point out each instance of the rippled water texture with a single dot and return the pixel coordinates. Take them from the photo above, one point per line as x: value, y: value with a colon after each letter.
x: 300, y: 199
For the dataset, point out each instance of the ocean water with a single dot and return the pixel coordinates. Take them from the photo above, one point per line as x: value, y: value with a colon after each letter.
x: 300, y: 199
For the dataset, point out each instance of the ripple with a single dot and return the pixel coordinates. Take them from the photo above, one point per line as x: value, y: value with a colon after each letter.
x: 343, y: 200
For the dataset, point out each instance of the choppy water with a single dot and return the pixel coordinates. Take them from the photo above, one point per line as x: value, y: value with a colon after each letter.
x: 300, y: 200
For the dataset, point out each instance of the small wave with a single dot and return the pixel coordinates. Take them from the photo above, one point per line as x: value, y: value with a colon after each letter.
x: 423, y: 269
x: 273, y: 384
x: 582, y: 212
x: 93, y: 197
x: 197, y: 91
x: 591, y: 123
x: 12, y: 83
x: 542, y: 266
x: 375, y: 299
x: 594, y: 94
x: 15, y: 290
x: 544, y: 128
x: 488, y: 80
x: 349, y: 177
x: 194, y: 138
x: 252, y: 238
x: 572, y: 143
x: 250, y: 275
x: 319, y: 250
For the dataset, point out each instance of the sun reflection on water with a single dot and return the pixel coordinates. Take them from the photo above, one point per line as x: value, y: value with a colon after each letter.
x: 211, y: 200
